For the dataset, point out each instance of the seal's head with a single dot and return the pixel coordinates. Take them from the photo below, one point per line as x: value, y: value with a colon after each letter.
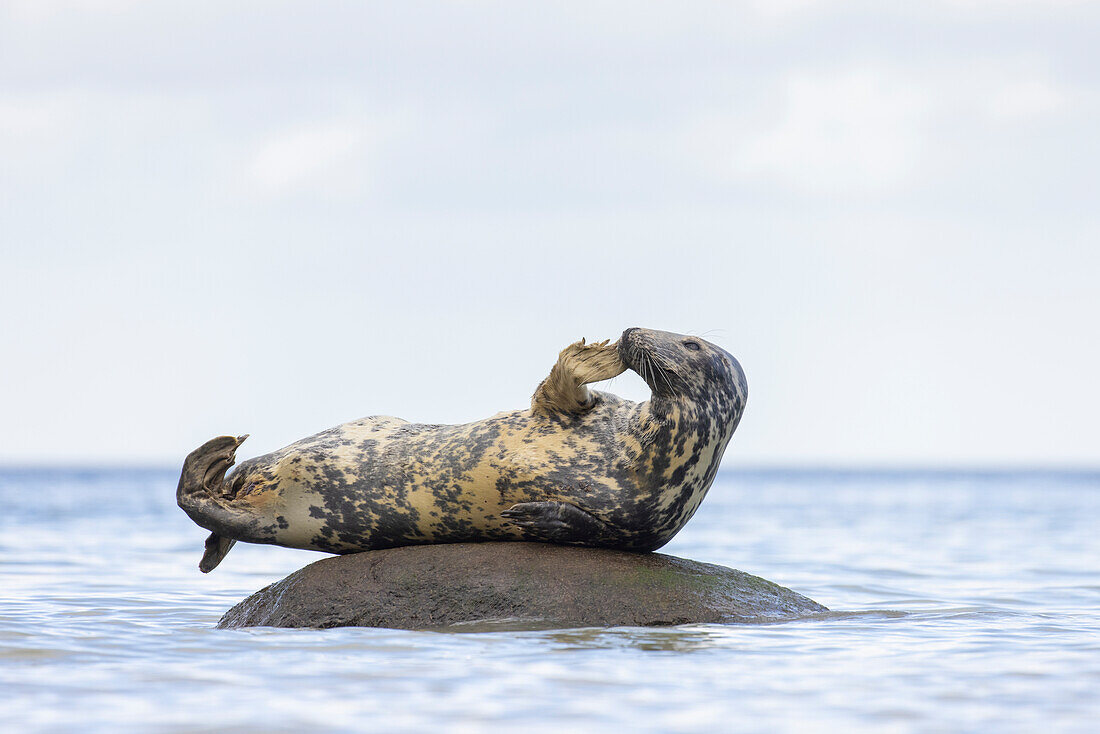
x: 685, y: 368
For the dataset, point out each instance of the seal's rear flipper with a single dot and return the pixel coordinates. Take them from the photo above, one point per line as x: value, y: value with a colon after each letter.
x: 216, y: 548
x: 202, y: 496
x: 558, y: 522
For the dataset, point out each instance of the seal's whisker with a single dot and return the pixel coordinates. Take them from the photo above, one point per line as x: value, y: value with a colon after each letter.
x: 660, y: 357
x: 663, y: 368
x: 668, y: 382
x: 657, y: 367
x: 660, y: 361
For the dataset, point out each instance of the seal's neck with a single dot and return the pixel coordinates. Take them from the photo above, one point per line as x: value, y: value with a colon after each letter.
x: 683, y: 439
x: 713, y: 420
x: 682, y: 445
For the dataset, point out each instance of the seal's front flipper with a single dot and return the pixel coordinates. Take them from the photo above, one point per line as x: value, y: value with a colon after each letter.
x: 216, y: 548
x: 558, y: 522
x: 578, y: 364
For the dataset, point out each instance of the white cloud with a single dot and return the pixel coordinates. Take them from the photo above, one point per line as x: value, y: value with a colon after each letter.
x: 849, y: 132
x: 43, y: 10
x: 19, y: 118
x: 1027, y: 99
x: 1008, y: 5
x: 37, y: 134
x: 783, y: 9
x: 860, y: 131
x: 320, y: 155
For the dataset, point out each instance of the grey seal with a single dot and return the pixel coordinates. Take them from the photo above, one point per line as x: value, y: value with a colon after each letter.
x: 578, y: 467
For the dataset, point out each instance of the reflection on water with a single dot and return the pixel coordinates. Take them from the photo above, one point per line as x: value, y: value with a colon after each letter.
x: 961, y: 602
x: 650, y: 639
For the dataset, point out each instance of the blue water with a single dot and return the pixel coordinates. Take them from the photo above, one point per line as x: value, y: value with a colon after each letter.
x: 962, y: 602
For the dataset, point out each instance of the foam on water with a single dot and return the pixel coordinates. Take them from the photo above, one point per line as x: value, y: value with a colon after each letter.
x: 961, y: 602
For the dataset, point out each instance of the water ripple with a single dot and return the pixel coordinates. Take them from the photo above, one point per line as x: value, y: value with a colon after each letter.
x: 961, y: 602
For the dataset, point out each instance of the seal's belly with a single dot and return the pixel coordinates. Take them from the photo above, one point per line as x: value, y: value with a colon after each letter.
x: 382, y: 482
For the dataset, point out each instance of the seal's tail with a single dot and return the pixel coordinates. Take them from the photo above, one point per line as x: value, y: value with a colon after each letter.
x: 199, y: 495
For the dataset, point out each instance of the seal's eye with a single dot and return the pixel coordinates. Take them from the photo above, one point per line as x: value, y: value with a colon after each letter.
x: 693, y: 346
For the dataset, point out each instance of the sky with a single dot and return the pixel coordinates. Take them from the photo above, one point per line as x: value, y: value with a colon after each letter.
x: 229, y: 217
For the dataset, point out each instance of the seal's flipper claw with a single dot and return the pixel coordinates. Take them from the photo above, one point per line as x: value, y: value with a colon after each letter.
x: 557, y: 522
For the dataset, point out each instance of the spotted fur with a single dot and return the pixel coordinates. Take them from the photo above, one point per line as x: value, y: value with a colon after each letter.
x: 607, y: 472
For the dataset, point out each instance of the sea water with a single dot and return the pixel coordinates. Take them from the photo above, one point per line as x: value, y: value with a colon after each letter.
x: 960, y: 601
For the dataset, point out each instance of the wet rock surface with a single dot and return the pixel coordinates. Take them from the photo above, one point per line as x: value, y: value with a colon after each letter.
x: 522, y: 585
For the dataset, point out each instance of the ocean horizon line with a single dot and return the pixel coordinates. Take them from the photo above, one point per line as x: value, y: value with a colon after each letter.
x: 795, y: 468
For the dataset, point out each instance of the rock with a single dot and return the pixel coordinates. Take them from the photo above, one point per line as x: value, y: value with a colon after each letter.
x: 524, y: 585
